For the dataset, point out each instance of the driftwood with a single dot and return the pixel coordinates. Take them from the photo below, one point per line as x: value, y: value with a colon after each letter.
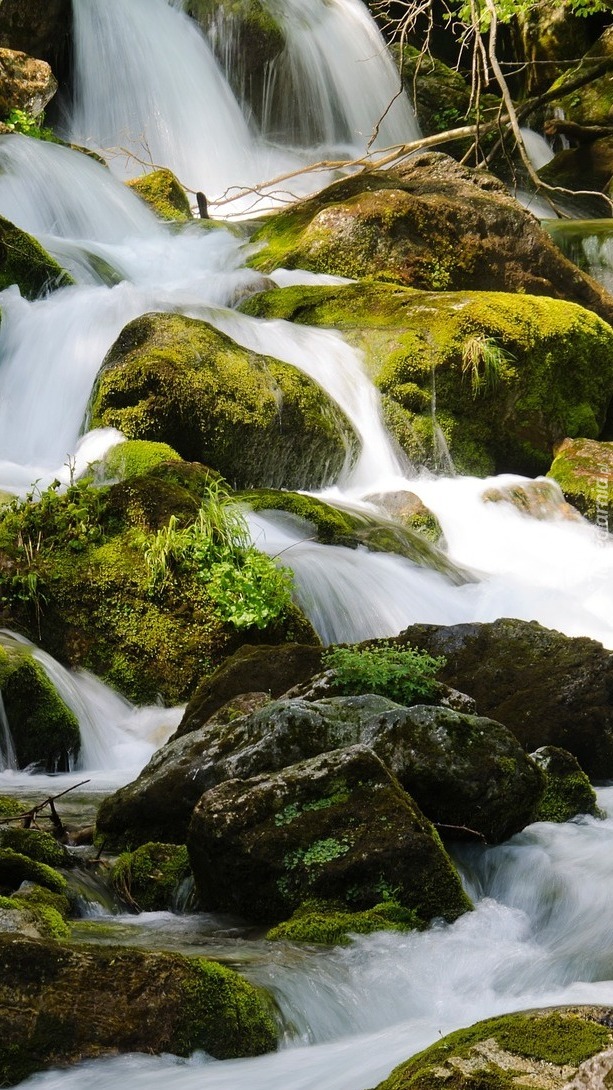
x: 28, y: 817
x: 581, y: 134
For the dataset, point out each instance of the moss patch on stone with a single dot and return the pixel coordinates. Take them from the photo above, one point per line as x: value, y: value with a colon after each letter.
x: 568, y: 791
x: 132, y: 459
x: 162, y: 191
x: 44, y: 730
x: 24, y: 262
x: 36, y: 844
x: 584, y: 471
x: 148, y: 878
x: 320, y: 923
x: 16, y: 868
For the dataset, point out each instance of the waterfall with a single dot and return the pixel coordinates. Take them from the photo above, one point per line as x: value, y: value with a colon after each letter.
x: 8, y: 759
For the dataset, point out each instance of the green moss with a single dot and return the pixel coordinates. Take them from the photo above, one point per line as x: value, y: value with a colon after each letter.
x: 38, y: 895
x: 329, y: 925
x: 24, y: 262
x: 36, y: 844
x: 584, y: 471
x: 560, y: 1038
x: 133, y: 458
x: 164, y: 194
x: 224, y: 1014
x: 9, y: 806
x: 568, y: 791
x: 16, y: 868
x: 148, y: 877
x: 44, y: 730
x: 554, y: 376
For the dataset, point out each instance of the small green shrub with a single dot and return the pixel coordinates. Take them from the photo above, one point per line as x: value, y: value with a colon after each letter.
x: 403, y: 674
x: 20, y: 121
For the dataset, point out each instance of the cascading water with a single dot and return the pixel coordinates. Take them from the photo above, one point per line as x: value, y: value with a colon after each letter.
x: 361, y: 1009
x: 589, y: 244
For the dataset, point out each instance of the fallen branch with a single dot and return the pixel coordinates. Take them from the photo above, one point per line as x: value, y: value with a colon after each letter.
x: 28, y: 817
x: 464, y: 829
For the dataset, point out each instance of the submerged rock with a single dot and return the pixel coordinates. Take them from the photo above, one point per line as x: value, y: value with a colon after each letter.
x: 508, y: 376
x: 552, y: 1049
x: 256, y: 420
x: 433, y: 225
x: 547, y: 688
x: 337, y: 826
x: 584, y: 471
x: 60, y: 1004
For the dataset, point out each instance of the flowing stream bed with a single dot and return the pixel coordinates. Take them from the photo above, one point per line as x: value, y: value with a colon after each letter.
x: 147, y: 82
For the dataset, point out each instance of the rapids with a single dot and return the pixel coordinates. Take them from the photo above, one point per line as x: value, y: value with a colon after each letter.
x: 147, y: 82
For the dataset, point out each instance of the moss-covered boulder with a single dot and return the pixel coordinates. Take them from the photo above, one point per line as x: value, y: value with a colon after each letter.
x: 592, y: 103
x: 16, y: 868
x: 27, y: 84
x: 410, y: 511
x: 61, y: 1004
x: 36, y: 844
x: 440, y: 94
x: 542, y: 1049
x: 31, y: 920
x: 584, y: 471
x: 252, y: 668
x: 547, y: 688
x: 336, y: 826
x: 324, y: 923
x: 86, y: 594
x: 148, y: 878
x: 464, y: 771
x: 159, y: 803
x: 256, y: 420
x: 24, y: 262
x: 568, y: 791
x: 434, y: 225
x: 45, y: 732
x: 512, y: 375
x: 539, y: 499
x: 162, y: 191
x: 133, y: 459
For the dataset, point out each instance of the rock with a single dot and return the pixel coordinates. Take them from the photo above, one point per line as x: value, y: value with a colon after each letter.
x: 163, y: 192
x: 41, y: 28
x: 462, y: 770
x: 587, y: 167
x: 591, y: 104
x: 27, y: 84
x: 540, y: 499
x: 319, y: 922
x: 36, y: 844
x: 24, y: 262
x: 133, y: 458
x: 547, y: 688
x: 407, y: 508
x: 159, y: 803
x: 513, y: 375
x: 549, y: 37
x: 16, y: 868
x: 584, y: 471
x: 45, y: 732
x: 568, y: 791
x: 254, y: 419
x: 434, y: 225
x: 18, y: 918
x: 61, y: 1004
x: 148, y: 879
x: 543, y: 1049
x: 271, y: 670
x: 440, y: 95
x: 337, y: 826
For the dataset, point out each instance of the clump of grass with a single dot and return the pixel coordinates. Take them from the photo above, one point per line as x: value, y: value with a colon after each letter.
x: 483, y: 362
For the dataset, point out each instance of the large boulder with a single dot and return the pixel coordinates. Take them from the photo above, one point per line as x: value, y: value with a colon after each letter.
x: 568, y: 791
x: 507, y: 376
x: 550, y: 1049
x: 336, y: 826
x: 433, y: 225
x: 41, y: 28
x: 61, y: 1004
x: 27, y: 84
x: 44, y: 731
x: 584, y: 472
x: 547, y: 688
x: 256, y: 420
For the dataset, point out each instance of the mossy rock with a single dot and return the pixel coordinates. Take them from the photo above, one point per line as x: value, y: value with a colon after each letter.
x: 10, y: 806
x: 584, y: 471
x: 411, y: 512
x: 28, y: 84
x: 256, y: 420
x: 433, y: 225
x: 24, y: 262
x: 337, y: 826
x: 16, y: 868
x: 31, y: 920
x: 36, y: 844
x: 39, y: 896
x: 44, y: 730
x: 541, y: 500
x: 60, y: 1004
x: 538, y: 1049
x: 149, y: 877
x: 41, y: 28
x: 322, y: 923
x: 133, y: 459
x: 568, y: 791
x: 547, y: 688
x: 591, y: 104
x: 513, y: 375
x: 336, y: 526
x: 162, y: 191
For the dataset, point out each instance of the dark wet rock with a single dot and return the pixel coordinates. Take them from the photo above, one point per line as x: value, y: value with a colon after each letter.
x: 336, y: 826
x: 568, y: 791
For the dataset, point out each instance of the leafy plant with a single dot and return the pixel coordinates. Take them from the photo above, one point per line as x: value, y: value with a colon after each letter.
x: 20, y: 121
x: 483, y: 361
x: 403, y: 674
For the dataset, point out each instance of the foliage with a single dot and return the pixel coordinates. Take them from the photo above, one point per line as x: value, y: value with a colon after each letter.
x: 483, y: 361
x: 247, y: 586
x: 403, y: 674
x: 20, y: 121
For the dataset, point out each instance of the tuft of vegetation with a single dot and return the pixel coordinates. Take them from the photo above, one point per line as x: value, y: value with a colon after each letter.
x: 24, y: 123
x: 247, y: 586
x: 483, y: 361
x: 403, y: 674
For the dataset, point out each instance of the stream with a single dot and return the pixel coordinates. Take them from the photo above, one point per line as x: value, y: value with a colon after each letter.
x: 148, y: 86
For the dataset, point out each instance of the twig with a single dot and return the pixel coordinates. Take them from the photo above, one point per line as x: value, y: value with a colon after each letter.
x: 28, y: 817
